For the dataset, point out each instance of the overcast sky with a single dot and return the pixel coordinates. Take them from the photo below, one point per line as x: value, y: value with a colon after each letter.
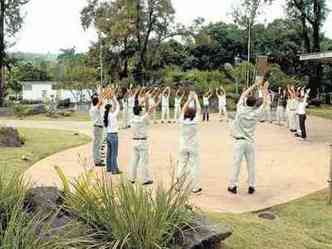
x: 54, y: 24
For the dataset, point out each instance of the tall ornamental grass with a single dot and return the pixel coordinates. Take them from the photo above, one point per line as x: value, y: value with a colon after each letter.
x: 130, y: 215
x: 13, y: 190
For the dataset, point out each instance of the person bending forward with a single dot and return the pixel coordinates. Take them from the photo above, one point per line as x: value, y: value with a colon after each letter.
x: 189, y: 162
x: 249, y: 111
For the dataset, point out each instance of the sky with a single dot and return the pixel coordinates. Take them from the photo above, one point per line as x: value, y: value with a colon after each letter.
x: 54, y: 24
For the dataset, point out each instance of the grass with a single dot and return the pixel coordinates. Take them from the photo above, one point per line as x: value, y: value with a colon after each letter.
x: 75, y: 116
x: 304, y: 223
x: 126, y: 214
x: 324, y: 112
x: 39, y: 144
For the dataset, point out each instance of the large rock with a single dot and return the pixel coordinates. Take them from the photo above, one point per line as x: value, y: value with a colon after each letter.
x: 48, y: 201
x: 44, y: 199
x: 9, y: 137
x: 205, y: 235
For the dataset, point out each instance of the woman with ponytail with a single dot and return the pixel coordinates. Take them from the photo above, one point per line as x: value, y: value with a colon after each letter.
x: 111, y: 124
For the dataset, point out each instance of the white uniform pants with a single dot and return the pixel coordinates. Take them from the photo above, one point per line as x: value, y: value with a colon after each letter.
x: 267, y: 114
x: 98, y: 139
x: 165, y: 114
x: 223, y: 110
x: 189, y: 167
x: 246, y: 149
x: 280, y: 114
x: 177, y: 112
x: 140, y: 159
x: 292, y: 120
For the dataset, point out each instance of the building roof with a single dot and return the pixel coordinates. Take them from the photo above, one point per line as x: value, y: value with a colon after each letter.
x: 322, y: 57
x: 38, y: 82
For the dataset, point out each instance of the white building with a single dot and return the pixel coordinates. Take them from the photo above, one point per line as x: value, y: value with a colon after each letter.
x: 39, y: 90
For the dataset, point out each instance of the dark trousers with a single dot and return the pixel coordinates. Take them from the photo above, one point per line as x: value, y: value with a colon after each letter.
x: 112, y: 152
x: 206, y: 115
x: 302, y: 118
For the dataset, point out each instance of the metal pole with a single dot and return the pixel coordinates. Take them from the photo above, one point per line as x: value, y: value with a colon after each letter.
x: 330, y: 174
x: 101, y: 60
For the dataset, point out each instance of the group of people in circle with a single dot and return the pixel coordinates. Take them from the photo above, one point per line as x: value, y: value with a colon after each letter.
x: 139, y: 109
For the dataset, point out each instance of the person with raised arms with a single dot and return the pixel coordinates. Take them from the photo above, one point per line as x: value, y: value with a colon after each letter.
x: 301, y: 112
x: 248, y: 113
x: 189, y: 159
x: 222, y: 102
x: 140, y: 157
x: 281, y: 104
x: 292, y: 107
x: 177, y: 104
x: 206, y: 105
x: 112, y: 110
x: 98, y: 128
x: 165, y: 113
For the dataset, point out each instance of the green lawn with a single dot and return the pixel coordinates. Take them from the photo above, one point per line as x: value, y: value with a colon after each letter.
x: 39, y: 143
x: 325, y: 111
x: 304, y: 223
x: 76, y: 116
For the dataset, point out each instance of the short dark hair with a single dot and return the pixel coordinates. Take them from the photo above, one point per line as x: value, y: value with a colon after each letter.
x: 190, y: 113
x: 137, y: 110
x: 95, y: 100
x: 251, y: 101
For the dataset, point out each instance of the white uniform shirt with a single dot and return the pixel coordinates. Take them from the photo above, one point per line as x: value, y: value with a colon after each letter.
x: 177, y: 101
x: 95, y: 115
x: 206, y: 101
x: 113, y: 126
x: 222, y: 100
x: 189, y: 134
x: 165, y: 101
x: 292, y: 105
x: 140, y: 125
x: 244, y: 125
x: 131, y: 101
x: 301, y: 107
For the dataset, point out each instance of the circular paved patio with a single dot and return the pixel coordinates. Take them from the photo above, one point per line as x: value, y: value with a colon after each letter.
x: 286, y: 167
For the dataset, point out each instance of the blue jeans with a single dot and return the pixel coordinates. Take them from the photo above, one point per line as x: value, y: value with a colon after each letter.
x: 112, y: 152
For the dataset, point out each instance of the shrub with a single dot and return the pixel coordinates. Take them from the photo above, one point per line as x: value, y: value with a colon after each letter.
x: 20, y: 229
x: 128, y: 214
x: 22, y: 111
x: 12, y: 193
x: 31, y: 102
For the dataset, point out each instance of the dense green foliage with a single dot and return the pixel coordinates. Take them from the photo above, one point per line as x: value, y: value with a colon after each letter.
x: 139, y: 42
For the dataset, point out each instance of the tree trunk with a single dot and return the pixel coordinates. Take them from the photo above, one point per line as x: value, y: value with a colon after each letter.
x: 315, y: 80
x: 316, y: 25
x: 2, y: 51
x: 307, y: 43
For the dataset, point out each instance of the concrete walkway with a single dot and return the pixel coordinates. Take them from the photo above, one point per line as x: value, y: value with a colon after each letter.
x: 286, y: 167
